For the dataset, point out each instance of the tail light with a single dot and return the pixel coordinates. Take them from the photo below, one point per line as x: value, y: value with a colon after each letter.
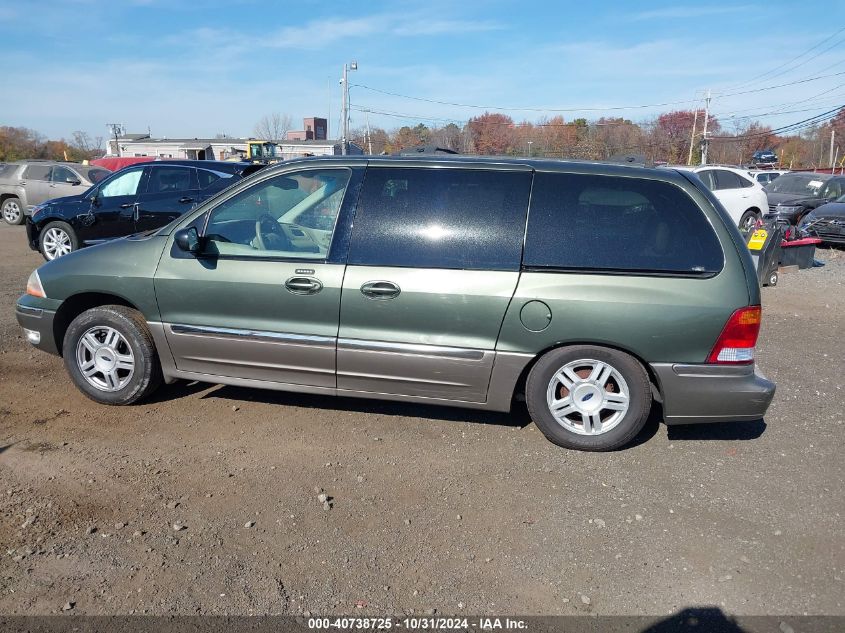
x: 735, y: 345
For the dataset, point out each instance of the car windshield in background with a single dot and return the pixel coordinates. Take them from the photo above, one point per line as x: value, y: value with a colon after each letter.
x: 97, y: 174
x: 805, y: 184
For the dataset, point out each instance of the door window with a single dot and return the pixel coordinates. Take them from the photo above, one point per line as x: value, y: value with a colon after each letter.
x: 441, y: 218
x: 169, y: 179
x: 125, y: 184
x: 833, y: 189
x: 288, y: 216
x: 596, y: 223
x: 37, y: 172
x: 63, y: 175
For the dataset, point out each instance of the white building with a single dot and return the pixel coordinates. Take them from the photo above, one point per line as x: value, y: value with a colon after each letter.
x: 136, y: 145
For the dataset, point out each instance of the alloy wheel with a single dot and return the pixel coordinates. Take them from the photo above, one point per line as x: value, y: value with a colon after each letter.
x: 12, y: 212
x: 56, y: 243
x: 105, y: 358
x: 588, y: 397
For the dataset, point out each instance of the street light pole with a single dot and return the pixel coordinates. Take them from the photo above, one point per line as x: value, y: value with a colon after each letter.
x: 344, y: 141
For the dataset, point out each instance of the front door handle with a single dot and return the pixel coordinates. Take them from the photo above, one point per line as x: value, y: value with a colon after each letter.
x: 185, y: 200
x: 380, y: 290
x: 303, y: 285
x: 127, y: 205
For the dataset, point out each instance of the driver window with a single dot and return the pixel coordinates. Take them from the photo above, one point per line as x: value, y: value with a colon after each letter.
x: 62, y: 175
x: 290, y: 215
x: 124, y: 185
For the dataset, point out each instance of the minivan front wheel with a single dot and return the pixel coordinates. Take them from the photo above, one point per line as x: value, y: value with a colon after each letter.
x: 110, y: 355
x: 588, y: 398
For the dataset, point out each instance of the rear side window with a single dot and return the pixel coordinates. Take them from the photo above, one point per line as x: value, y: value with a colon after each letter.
x: 707, y: 178
x: 169, y: 179
x: 441, y: 218
x: 602, y: 223
x: 37, y: 172
x: 728, y: 180
x: 207, y: 177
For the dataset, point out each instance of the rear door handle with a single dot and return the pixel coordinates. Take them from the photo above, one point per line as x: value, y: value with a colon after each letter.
x: 303, y: 285
x: 127, y: 205
x: 380, y: 290
x: 185, y: 199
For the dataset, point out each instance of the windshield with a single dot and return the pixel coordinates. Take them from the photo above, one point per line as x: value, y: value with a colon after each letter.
x: 803, y: 184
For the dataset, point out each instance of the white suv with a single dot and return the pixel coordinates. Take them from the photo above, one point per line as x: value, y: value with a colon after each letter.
x: 743, y: 198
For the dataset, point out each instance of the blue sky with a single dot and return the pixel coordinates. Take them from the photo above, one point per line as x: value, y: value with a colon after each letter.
x: 199, y: 67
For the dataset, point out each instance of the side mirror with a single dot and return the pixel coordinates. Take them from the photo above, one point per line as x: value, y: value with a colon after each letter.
x: 188, y: 240
x: 73, y: 181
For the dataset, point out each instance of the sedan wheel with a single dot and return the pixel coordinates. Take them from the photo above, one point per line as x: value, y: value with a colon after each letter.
x: 55, y: 243
x: 12, y: 212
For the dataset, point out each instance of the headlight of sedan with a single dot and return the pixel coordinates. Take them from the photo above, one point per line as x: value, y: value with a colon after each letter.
x: 787, y: 209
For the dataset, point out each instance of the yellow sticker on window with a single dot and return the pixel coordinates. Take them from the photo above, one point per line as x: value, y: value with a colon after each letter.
x: 758, y: 239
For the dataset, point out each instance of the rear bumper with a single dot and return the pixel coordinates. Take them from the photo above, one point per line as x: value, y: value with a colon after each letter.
x: 38, y: 327
x: 712, y: 393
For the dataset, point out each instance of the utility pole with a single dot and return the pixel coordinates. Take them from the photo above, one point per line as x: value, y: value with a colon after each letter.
x: 692, y: 137
x: 705, y: 141
x: 344, y: 141
x: 117, y: 130
x: 369, y: 137
x: 832, y: 136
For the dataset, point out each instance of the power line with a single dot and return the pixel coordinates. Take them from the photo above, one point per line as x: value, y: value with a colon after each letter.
x: 768, y: 73
x: 793, y: 127
x: 591, y: 108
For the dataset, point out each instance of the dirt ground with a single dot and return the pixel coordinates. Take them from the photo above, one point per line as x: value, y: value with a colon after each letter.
x: 432, y: 508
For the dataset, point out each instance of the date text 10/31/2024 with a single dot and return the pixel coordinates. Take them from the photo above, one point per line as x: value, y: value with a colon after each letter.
x: 417, y: 623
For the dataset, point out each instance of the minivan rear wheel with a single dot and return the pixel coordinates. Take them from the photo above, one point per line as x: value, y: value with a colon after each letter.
x: 588, y: 397
x: 110, y: 355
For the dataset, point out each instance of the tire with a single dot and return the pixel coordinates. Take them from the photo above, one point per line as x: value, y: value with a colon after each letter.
x: 57, y: 239
x: 12, y: 211
x: 110, y: 355
x: 748, y: 218
x: 625, y: 390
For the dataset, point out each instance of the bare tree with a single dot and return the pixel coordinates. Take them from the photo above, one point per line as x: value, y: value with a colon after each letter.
x: 272, y: 127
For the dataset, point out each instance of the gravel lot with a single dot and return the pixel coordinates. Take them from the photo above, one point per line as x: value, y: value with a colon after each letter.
x: 431, y: 508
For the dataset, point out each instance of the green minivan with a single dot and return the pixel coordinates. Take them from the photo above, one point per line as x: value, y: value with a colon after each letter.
x: 590, y: 290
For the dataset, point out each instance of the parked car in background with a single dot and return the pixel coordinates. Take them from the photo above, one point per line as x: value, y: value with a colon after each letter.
x: 742, y: 197
x: 795, y: 194
x: 764, y: 157
x: 27, y: 183
x: 765, y: 176
x: 429, y: 280
x: 827, y: 222
x: 137, y: 198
